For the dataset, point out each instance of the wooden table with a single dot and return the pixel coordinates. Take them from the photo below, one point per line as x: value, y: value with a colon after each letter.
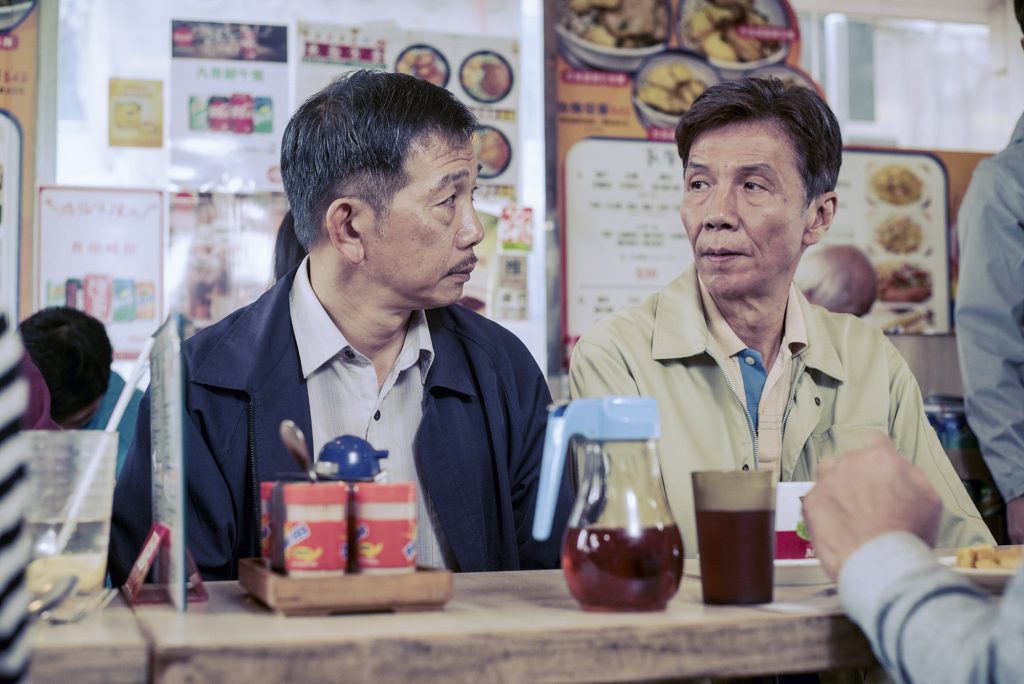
x: 108, y: 646
x: 513, y: 627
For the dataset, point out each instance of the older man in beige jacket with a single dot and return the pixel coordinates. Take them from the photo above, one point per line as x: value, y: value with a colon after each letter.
x: 747, y: 373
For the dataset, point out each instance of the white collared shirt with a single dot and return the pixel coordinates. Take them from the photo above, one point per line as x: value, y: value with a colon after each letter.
x: 344, y: 398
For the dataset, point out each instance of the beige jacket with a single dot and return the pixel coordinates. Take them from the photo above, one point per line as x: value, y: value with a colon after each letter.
x: 849, y: 380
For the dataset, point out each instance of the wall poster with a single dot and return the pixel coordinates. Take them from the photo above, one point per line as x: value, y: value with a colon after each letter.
x: 480, y: 71
x: 220, y: 252
x: 19, y: 37
x: 624, y: 75
x: 228, y: 105
x: 100, y: 251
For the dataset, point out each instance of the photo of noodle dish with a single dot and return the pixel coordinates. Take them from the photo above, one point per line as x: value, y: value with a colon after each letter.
x: 896, y: 184
x: 899, y: 234
x: 426, y: 62
x: 613, y: 35
x: 667, y: 84
x: 737, y: 34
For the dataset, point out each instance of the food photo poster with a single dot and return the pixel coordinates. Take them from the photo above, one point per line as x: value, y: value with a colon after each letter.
x: 480, y: 71
x: 624, y: 75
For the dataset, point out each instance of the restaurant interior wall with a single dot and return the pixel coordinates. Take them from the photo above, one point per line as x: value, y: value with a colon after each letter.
x: 961, y: 89
x: 103, y: 39
x: 959, y: 85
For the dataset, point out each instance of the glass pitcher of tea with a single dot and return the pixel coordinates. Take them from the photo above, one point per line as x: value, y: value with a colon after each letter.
x: 622, y: 549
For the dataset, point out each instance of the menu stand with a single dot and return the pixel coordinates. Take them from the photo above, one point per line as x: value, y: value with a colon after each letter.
x: 156, y: 551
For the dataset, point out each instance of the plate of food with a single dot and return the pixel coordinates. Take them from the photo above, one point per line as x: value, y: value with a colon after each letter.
x: 990, y: 567
x: 903, y: 281
x: 426, y: 62
x: 666, y: 85
x: 493, y: 151
x: 486, y: 76
x: 614, y: 36
x: 899, y: 234
x: 897, y: 184
x: 738, y: 34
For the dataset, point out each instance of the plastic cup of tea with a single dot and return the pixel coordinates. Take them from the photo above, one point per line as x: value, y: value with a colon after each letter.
x: 735, y: 535
x: 71, y: 474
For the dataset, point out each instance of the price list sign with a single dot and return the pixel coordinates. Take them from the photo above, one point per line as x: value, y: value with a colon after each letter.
x: 623, y: 236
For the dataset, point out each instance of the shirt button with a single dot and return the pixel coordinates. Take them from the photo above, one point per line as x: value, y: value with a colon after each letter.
x: 350, y: 354
x: 376, y: 416
x: 749, y: 360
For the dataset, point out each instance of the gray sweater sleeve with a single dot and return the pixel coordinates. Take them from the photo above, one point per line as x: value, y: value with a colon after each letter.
x: 925, y: 623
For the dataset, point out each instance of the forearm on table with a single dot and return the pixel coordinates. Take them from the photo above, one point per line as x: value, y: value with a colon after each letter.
x: 925, y: 624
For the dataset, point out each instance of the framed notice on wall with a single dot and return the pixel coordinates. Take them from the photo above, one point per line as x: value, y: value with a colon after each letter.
x: 101, y: 251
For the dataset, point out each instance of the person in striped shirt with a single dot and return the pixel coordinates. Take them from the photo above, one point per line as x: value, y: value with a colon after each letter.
x: 14, y: 544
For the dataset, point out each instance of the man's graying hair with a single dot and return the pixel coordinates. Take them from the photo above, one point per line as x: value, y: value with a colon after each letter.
x: 799, y: 112
x: 353, y: 137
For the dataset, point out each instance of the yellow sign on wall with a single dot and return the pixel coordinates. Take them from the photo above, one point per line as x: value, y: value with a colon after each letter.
x: 136, y: 113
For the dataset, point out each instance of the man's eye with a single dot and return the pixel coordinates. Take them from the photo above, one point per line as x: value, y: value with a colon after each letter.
x: 751, y: 185
x: 697, y: 184
x: 450, y: 202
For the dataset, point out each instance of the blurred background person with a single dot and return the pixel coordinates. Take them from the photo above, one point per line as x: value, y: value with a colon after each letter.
x: 839, y: 278
x: 990, y: 315
x: 873, y: 518
x: 288, y: 251
x: 74, y: 355
x: 14, y: 542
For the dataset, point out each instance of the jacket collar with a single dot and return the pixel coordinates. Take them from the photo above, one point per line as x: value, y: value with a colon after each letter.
x: 1018, y: 132
x: 680, y: 330
x: 450, y: 369
x: 259, y: 335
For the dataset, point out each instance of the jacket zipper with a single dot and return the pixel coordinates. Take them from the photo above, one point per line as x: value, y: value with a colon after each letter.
x: 743, y: 405
x: 792, y: 395
x: 258, y: 532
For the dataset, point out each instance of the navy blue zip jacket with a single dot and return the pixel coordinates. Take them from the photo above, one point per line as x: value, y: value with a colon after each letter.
x: 478, y: 446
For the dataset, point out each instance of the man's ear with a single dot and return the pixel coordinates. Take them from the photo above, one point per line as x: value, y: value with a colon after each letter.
x: 349, y: 221
x: 824, y: 208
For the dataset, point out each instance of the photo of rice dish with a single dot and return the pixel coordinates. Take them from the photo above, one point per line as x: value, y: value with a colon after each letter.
x: 896, y: 184
x: 486, y: 76
x: 423, y: 61
x: 899, y: 234
x: 492, y: 150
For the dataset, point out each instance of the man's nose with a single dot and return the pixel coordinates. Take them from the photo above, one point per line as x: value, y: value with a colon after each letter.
x: 720, y: 209
x: 471, y: 232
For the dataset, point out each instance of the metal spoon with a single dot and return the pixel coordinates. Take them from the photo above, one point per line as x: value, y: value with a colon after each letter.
x: 54, y: 593
x: 295, y: 443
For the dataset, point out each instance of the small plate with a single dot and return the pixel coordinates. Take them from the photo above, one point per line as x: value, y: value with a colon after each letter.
x: 993, y: 581
x: 788, y: 573
x: 800, y: 572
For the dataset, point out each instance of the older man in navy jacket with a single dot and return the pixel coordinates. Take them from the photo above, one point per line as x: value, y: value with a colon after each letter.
x: 363, y: 338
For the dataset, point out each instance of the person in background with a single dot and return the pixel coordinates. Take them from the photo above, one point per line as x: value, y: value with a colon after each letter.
x: 873, y: 519
x: 14, y: 542
x: 990, y: 315
x: 363, y: 339
x: 288, y: 251
x: 74, y: 355
x: 747, y: 374
x: 839, y: 278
